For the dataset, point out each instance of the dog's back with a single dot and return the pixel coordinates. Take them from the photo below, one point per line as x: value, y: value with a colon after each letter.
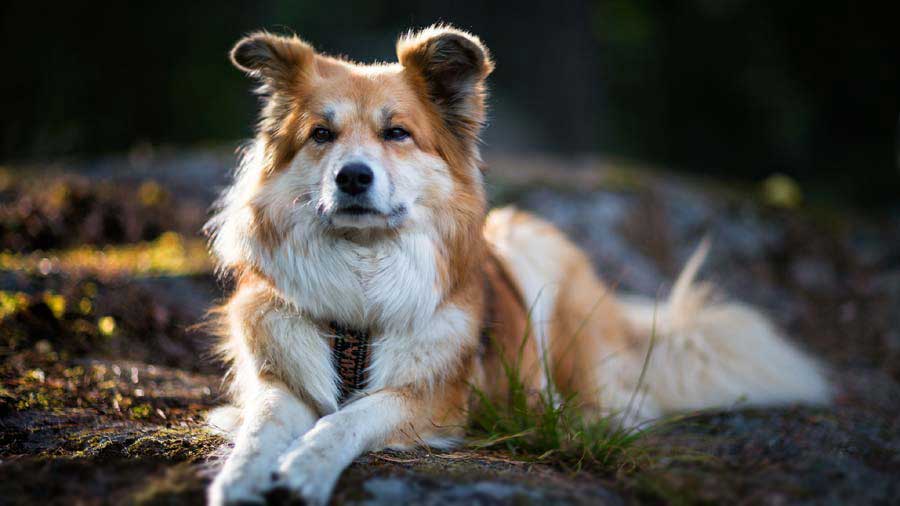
x: 639, y: 358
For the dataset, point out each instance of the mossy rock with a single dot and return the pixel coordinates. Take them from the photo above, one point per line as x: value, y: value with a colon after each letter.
x: 189, y: 444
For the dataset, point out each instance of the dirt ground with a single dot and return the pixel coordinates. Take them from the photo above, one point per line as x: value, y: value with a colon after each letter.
x: 105, y: 380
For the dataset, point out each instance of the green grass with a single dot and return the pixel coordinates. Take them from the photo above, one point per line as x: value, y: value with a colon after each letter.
x: 549, y: 427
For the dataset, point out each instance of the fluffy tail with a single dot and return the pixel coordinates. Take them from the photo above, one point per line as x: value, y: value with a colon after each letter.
x: 707, y: 354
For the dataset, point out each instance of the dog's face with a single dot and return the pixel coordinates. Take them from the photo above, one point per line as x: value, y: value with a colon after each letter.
x: 371, y: 147
x: 366, y: 157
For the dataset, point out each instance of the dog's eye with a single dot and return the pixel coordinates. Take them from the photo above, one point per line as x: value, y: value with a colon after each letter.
x: 395, y: 134
x: 322, y: 135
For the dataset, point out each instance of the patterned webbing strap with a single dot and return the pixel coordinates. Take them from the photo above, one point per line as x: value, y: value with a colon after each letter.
x: 487, y: 316
x: 350, y: 353
x: 495, y: 272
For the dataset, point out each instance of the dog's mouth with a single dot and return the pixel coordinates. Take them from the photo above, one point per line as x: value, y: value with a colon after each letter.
x: 357, y: 210
x: 363, y: 216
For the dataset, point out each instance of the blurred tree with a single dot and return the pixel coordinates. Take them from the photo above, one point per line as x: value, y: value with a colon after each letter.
x: 728, y: 87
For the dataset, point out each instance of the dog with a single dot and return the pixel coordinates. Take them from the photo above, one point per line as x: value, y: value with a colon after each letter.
x: 368, y: 274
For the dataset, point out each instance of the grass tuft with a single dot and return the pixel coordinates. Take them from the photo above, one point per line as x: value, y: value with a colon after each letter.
x: 549, y: 427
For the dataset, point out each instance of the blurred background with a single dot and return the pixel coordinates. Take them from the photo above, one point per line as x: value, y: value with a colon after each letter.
x: 731, y: 88
x: 637, y: 127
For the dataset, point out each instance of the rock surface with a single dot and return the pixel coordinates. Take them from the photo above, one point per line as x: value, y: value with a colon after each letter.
x: 104, y: 385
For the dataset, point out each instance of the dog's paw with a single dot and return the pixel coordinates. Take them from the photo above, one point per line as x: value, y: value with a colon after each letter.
x: 235, y: 489
x: 302, y: 479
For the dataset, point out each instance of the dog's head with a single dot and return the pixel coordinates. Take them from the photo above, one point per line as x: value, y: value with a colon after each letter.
x: 350, y: 147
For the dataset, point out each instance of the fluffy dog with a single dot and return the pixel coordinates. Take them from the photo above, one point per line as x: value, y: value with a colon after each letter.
x: 369, y: 273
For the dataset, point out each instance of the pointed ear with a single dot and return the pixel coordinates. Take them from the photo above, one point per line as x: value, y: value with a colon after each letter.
x: 273, y: 59
x: 449, y: 66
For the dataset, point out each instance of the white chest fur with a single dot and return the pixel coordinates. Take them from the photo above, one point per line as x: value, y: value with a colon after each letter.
x: 391, y: 285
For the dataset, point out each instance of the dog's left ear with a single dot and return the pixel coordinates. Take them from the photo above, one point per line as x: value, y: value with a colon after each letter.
x: 449, y: 66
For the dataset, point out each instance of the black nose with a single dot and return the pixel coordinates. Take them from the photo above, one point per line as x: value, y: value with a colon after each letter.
x: 354, y: 178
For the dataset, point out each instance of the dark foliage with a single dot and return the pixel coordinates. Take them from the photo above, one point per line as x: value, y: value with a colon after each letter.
x: 738, y: 88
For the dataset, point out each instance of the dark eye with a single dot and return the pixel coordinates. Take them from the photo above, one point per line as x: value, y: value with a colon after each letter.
x: 322, y: 135
x: 395, y: 134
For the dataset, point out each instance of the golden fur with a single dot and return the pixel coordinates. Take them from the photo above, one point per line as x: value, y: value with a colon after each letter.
x: 416, y: 271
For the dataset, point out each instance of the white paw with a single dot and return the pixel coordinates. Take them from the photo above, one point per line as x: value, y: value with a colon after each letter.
x: 237, y: 486
x: 305, y: 477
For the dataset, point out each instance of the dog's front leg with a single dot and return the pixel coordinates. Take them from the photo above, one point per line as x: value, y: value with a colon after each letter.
x: 311, y: 468
x: 272, y: 420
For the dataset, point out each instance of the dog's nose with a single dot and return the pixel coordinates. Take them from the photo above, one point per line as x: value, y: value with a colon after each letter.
x: 354, y: 178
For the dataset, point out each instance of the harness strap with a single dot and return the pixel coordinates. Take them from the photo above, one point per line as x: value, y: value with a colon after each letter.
x: 495, y: 272
x: 487, y: 314
x: 350, y: 354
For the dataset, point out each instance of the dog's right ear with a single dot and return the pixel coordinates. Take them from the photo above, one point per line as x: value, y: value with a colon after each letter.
x: 273, y: 59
